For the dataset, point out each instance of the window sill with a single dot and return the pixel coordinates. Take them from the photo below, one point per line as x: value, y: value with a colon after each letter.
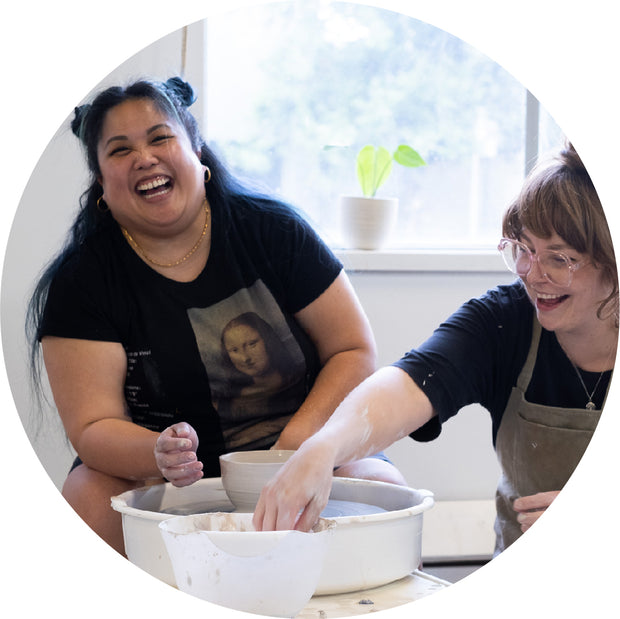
x: 419, y: 260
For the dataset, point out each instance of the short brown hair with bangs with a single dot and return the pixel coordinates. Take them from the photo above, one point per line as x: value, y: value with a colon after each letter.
x: 559, y: 197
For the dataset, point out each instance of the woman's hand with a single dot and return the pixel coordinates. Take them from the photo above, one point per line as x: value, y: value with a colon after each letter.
x: 383, y: 409
x: 531, y: 508
x: 298, y: 493
x: 175, y: 454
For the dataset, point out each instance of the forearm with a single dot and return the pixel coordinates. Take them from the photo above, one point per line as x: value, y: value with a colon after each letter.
x: 87, y: 380
x: 338, y: 377
x: 119, y: 448
x: 383, y: 409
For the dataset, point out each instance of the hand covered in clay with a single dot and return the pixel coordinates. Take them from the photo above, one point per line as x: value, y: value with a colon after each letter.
x: 531, y: 508
x: 298, y: 493
x: 175, y: 454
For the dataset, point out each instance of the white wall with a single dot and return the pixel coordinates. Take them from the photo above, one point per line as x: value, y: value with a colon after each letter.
x: 42, y: 219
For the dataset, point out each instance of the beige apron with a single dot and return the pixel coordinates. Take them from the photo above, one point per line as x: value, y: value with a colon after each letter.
x: 538, y: 448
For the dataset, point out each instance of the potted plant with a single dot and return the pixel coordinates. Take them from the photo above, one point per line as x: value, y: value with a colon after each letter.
x: 368, y: 220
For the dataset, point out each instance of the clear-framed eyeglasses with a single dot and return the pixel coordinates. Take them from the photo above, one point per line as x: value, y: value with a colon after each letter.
x: 557, y: 267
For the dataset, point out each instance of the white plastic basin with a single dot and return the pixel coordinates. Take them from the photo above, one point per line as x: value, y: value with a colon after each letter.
x: 222, y: 559
x: 364, y: 550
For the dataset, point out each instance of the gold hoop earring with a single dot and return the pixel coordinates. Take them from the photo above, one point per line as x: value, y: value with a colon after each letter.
x: 101, y: 205
x: 207, y: 174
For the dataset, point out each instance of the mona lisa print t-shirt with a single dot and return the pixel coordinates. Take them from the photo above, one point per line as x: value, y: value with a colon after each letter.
x: 223, y: 352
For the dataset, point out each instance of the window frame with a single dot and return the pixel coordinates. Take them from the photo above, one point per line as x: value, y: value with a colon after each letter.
x: 194, y: 45
x: 447, y: 259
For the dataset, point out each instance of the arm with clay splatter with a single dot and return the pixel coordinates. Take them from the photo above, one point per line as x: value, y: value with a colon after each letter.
x: 383, y: 409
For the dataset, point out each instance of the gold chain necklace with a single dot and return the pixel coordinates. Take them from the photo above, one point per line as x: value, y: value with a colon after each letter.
x: 590, y: 404
x: 139, y: 249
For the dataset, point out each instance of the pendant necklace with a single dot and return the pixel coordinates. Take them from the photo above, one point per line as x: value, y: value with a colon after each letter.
x: 590, y: 404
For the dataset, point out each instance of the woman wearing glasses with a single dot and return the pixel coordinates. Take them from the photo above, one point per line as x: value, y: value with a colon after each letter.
x: 537, y: 354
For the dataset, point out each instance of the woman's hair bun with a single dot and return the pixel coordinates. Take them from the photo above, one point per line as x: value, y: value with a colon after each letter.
x: 80, y: 113
x: 181, y: 89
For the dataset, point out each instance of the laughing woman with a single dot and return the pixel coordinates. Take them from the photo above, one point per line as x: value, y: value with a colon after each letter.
x: 166, y: 249
x: 537, y: 354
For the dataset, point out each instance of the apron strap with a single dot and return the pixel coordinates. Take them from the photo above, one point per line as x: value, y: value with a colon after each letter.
x: 523, y: 381
x: 528, y: 368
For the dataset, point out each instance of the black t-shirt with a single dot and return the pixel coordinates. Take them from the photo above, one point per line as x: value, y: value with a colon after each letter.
x: 223, y: 352
x: 477, y: 354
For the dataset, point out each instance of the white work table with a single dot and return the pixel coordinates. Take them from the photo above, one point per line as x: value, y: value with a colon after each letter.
x: 413, y: 587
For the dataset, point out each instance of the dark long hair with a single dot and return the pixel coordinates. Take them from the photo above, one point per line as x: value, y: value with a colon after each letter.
x: 172, y: 98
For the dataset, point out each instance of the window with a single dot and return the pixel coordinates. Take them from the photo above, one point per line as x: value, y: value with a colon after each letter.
x: 287, y: 82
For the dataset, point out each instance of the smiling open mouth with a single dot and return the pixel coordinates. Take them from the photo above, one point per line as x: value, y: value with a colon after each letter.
x: 155, y: 187
x: 549, y: 301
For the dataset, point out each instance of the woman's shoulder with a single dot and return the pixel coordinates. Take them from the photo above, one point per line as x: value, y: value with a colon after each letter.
x: 506, y: 299
x: 507, y: 294
x: 272, y: 223
x: 264, y: 207
x: 502, y: 314
x: 96, y: 253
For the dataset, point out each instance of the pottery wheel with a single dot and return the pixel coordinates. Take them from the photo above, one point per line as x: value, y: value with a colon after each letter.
x: 334, y: 509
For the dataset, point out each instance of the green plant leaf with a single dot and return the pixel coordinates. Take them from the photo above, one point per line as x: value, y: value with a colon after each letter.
x: 383, y: 167
x: 405, y: 155
x: 365, y: 169
x: 374, y: 165
x: 373, y: 168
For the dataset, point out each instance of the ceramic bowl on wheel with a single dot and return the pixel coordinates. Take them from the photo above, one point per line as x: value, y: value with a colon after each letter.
x: 244, y: 473
x: 222, y: 559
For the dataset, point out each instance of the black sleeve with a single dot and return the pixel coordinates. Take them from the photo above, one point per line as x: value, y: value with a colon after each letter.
x: 472, y: 357
x: 75, y: 307
x: 304, y: 264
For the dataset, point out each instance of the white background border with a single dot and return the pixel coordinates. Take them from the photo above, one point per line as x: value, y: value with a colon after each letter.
x: 53, y: 53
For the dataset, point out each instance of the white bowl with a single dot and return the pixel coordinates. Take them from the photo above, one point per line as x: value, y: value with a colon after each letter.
x: 244, y: 473
x: 222, y: 559
x: 366, y: 550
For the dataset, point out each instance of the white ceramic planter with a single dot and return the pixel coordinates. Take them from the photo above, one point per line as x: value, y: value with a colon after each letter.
x: 367, y: 222
x: 364, y: 551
